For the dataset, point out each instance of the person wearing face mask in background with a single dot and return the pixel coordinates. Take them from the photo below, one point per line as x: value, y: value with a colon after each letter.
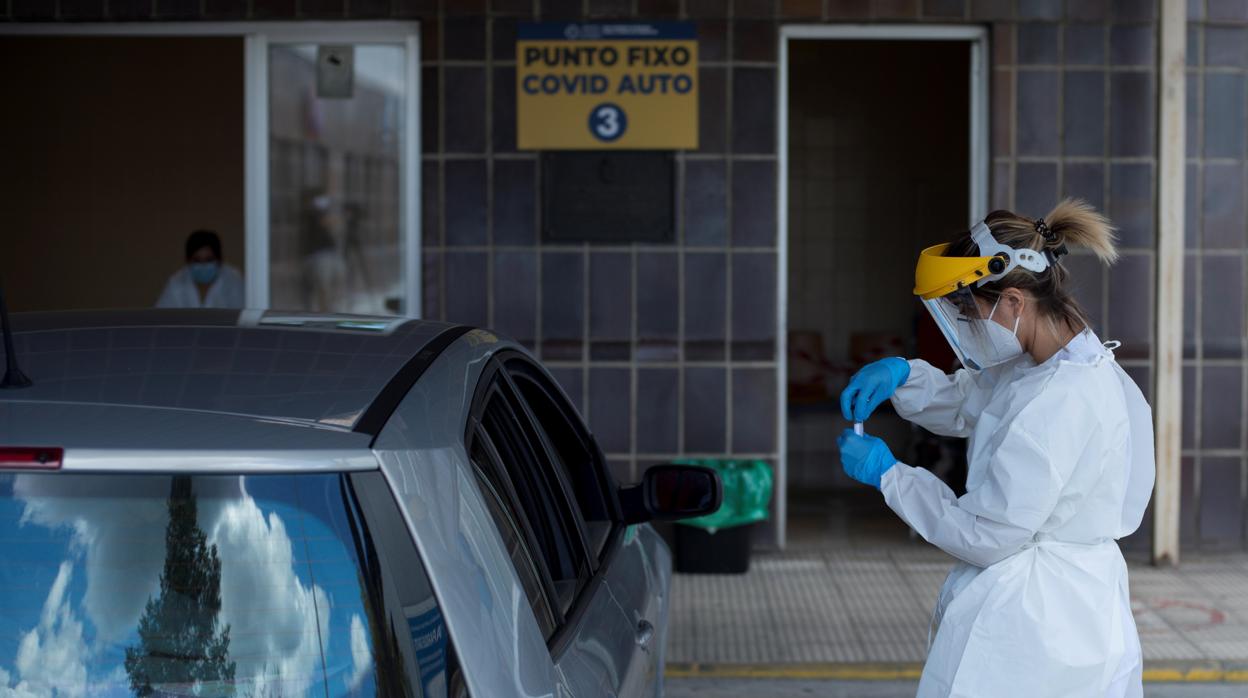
x: 206, y: 281
x: 1060, y: 466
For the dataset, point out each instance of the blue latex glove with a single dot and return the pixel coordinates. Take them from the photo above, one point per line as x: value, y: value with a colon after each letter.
x: 871, y: 386
x: 865, y: 458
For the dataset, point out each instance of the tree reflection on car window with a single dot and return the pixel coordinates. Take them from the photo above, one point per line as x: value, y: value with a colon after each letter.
x: 158, y: 585
x: 181, y: 639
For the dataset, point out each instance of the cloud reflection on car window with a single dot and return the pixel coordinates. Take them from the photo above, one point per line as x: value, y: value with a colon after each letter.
x: 183, y: 585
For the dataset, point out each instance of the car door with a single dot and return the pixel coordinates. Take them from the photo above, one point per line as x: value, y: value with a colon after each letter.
x: 616, y: 639
x: 529, y: 505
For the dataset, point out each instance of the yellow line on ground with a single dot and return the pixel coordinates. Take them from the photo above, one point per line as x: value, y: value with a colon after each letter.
x: 1191, y: 673
x: 1195, y: 675
x: 843, y: 672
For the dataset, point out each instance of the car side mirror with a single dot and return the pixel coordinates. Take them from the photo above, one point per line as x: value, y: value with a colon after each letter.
x: 671, y: 493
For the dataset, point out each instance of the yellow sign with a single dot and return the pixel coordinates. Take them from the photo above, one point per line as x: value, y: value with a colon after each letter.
x: 614, y: 86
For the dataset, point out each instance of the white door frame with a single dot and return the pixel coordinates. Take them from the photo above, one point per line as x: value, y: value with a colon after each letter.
x: 257, y: 36
x: 977, y: 204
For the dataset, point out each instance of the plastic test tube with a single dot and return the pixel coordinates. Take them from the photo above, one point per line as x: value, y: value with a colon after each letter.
x: 858, y: 428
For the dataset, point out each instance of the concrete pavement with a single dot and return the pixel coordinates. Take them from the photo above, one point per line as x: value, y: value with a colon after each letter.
x: 873, y: 607
x: 851, y: 598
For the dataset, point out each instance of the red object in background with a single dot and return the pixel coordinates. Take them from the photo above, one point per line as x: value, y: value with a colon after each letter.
x: 866, y: 347
x: 931, y: 346
x: 810, y: 373
x: 22, y: 458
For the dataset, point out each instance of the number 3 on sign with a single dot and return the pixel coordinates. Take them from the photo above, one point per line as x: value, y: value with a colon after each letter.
x: 607, y: 122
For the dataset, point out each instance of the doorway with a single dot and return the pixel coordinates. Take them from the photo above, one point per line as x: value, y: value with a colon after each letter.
x: 298, y: 143
x: 113, y: 158
x: 882, y: 154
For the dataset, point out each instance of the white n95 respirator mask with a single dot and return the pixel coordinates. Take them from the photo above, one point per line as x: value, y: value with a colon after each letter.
x: 978, y: 342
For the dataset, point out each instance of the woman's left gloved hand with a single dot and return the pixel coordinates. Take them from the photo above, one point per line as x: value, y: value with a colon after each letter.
x: 871, y: 386
x: 865, y: 458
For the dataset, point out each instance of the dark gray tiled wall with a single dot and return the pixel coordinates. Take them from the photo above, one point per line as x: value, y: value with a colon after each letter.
x: 706, y: 293
x: 1074, y: 115
x: 514, y: 312
x: 611, y: 306
x: 1221, y: 514
x: 669, y: 350
x: 1215, y: 391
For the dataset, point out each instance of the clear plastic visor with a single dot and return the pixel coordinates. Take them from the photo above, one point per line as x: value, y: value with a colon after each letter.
x: 956, y: 314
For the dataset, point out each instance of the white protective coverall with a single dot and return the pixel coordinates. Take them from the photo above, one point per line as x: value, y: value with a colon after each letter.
x: 1060, y: 465
x: 226, y: 291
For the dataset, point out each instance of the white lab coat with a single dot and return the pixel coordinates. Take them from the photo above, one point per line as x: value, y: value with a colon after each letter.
x: 1060, y: 460
x: 226, y: 292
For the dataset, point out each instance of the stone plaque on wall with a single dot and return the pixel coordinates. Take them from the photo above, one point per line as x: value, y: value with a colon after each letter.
x: 609, y: 197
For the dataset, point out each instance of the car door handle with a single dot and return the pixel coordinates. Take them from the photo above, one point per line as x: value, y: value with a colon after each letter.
x: 645, y: 633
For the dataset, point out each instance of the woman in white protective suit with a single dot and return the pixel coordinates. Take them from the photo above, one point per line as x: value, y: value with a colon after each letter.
x: 1060, y: 465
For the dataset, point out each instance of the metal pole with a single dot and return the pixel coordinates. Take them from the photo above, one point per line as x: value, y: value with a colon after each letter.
x: 12, y: 376
x: 1168, y: 396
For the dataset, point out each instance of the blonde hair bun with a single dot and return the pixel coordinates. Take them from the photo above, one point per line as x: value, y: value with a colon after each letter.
x: 1074, y: 222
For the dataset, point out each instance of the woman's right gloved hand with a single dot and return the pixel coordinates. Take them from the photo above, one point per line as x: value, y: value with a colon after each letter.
x: 865, y: 458
x: 871, y: 386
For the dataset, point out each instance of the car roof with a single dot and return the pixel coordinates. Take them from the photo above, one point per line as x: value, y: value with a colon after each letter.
x: 190, y: 378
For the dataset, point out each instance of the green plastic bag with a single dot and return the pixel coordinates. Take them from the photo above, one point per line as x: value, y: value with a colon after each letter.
x: 747, y: 492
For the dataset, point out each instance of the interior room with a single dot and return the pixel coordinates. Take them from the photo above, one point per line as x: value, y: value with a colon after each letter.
x: 879, y: 168
x: 112, y: 157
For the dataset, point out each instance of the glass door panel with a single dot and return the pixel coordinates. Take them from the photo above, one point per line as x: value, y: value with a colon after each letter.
x: 335, y: 149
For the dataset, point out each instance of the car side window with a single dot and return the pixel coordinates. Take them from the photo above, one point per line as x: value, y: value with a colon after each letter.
x: 507, y: 521
x: 572, y: 448
x: 539, y: 495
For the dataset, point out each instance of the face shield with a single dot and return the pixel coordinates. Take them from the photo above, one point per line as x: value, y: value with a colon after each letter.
x: 944, y: 284
x: 978, y: 341
x: 947, y: 319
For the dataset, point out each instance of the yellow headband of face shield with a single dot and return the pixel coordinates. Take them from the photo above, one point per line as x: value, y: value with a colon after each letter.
x: 937, y: 275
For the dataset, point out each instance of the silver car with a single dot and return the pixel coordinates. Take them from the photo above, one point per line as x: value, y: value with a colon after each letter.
x: 224, y: 503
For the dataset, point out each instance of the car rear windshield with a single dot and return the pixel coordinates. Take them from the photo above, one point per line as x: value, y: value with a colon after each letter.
x: 265, y: 585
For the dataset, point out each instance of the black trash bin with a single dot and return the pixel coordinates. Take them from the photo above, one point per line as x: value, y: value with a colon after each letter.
x: 719, y: 543
x: 726, y: 551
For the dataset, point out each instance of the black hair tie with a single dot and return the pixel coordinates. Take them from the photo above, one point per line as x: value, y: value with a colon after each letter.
x: 1050, y: 237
